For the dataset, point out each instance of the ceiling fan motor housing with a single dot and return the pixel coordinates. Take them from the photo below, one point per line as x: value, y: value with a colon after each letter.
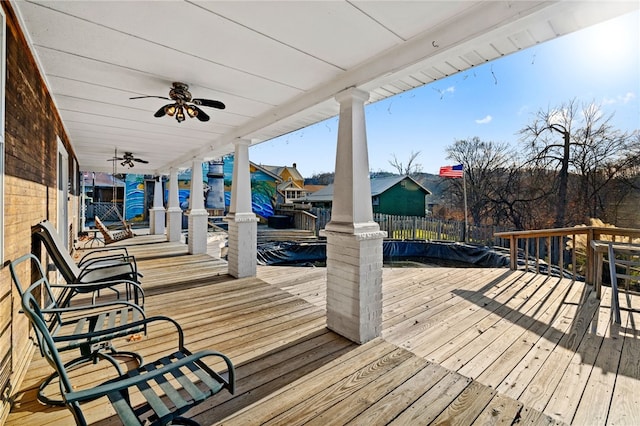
x: 180, y: 92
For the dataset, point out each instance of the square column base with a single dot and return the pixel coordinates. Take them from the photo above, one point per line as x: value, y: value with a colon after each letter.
x: 156, y: 220
x: 174, y: 224
x: 198, y: 231
x: 243, y: 243
x: 354, y: 284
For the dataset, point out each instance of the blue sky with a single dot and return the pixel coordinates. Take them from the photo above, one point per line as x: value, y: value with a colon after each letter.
x: 600, y: 64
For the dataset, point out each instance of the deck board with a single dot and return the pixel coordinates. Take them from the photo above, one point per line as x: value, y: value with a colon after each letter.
x: 459, y: 346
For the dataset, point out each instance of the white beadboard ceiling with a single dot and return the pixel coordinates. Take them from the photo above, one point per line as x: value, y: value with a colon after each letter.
x: 277, y: 65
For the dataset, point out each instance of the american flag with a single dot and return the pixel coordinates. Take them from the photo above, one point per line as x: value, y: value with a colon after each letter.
x: 451, y: 171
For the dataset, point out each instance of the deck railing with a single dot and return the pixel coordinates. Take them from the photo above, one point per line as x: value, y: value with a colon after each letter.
x: 566, y: 249
x: 106, y: 211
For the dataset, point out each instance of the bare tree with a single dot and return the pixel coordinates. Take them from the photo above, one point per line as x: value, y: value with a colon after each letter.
x: 483, y: 163
x: 580, y: 140
x: 411, y: 168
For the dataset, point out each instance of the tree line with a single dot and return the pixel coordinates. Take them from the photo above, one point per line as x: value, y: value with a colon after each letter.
x: 570, y: 164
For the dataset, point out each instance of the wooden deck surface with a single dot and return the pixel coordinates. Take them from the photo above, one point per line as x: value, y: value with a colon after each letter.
x: 459, y: 346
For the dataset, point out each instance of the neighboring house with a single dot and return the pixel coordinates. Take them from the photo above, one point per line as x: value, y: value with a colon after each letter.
x: 396, y: 195
x: 101, y: 187
x: 289, y: 192
x: 270, y: 186
x: 291, y: 186
x: 103, y: 194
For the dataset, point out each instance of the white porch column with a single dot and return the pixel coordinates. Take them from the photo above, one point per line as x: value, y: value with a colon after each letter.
x: 198, y: 216
x: 157, y: 212
x: 243, y: 223
x: 354, y: 240
x: 174, y: 212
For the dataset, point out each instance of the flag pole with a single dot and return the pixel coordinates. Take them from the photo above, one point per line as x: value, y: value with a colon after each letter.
x: 464, y: 190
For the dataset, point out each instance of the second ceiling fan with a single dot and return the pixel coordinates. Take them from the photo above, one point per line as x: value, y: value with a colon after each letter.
x: 184, y: 104
x: 127, y: 160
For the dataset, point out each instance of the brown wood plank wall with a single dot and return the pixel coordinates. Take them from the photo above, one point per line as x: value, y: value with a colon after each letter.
x: 32, y: 126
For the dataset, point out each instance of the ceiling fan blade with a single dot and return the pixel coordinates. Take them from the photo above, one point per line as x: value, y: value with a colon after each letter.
x: 115, y: 159
x: 208, y: 103
x: 161, y: 112
x: 140, y: 161
x: 202, y: 116
x: 150, y: 96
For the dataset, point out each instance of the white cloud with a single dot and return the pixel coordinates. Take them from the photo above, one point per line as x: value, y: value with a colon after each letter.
x: 485, y: 120
x: 450, y: 89
x: 623, y: 99
x: 628, y: 97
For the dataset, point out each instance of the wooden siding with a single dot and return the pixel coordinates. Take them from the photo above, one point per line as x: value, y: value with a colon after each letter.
x: 459, y: 346
x: 32, y: 127
x: 405, y: 199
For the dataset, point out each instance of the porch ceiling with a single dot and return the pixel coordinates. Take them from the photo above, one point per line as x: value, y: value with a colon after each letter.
x: 275, y: 64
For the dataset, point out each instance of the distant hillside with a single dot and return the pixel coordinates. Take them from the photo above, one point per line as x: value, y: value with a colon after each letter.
x: 433, y: 183
x: 628, y: 215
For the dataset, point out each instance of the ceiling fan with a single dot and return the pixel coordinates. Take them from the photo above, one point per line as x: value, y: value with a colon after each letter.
x: 127, y: 159
x: 183, y: 102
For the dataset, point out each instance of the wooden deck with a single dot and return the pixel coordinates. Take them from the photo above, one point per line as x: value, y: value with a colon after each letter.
x: 459, y: 346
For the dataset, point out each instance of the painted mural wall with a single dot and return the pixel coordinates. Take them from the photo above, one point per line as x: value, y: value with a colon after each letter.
x: 263, y: 191
x: 134, y: 197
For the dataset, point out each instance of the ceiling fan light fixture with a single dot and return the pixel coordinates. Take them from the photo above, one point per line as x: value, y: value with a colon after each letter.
x: 183, y: 100
x: 180, y: 114
x: 170, y: 110
x: 191, y: 111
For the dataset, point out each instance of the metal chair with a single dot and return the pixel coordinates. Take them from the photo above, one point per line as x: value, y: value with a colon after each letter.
x: 627, y: 258
x: 153, y: 394
x: 89, y: 328
x: 95, y: 271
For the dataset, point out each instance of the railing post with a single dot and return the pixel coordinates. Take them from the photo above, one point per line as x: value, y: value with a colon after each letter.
x: 513, y: 252
x: 590, y: 267
x: 550, y: 255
